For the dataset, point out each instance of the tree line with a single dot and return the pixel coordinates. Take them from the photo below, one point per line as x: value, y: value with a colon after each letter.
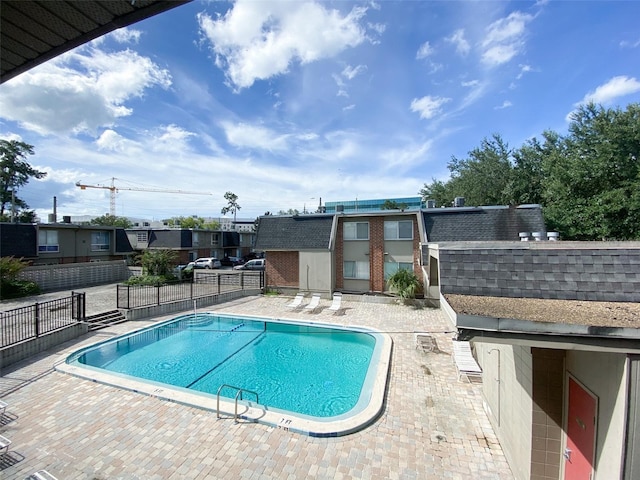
x: 587, y: 181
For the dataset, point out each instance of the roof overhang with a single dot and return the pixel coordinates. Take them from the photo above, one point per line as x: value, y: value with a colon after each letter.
x: 32, y: 32
x: 563, y: 341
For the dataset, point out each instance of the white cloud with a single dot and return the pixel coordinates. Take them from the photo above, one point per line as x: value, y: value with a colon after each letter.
x: 110, y: 140
x: 470, y: 83
x: 98, y: 82
x: 505, y: 104
x: 428, y: 106
x: 629, y: 44
x: 461, y: 44
x: 351, y: 72
x: 505, y: 39
x: 259, y: 40
x: 253, y: 136
x: 407, y: 157
x: 619, y: 86
x: 524, y: 69
x: 424, y: 51
x: 126, y: 35
x: 499, y: 54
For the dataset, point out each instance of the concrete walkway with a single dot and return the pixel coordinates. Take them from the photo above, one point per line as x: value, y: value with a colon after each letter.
x: 432, y: 427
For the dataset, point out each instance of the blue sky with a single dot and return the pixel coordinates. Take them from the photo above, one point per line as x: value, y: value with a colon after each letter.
x: 284, y: 103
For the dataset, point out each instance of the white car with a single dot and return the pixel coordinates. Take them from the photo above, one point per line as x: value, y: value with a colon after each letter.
x: 255, y: 264
x: 207, y: 262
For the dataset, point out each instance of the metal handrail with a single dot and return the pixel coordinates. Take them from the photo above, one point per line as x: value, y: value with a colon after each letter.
x: 238, y: 394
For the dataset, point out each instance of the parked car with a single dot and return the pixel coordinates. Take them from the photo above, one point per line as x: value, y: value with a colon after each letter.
x: 184, y: 270
x: 207, y: 262
x: 255, y: 264
x: 231, y: 261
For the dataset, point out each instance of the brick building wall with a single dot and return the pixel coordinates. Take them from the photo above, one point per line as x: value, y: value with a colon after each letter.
x: 282, y: 269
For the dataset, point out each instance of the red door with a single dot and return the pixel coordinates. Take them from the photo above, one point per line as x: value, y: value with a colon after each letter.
x: 581, y: 432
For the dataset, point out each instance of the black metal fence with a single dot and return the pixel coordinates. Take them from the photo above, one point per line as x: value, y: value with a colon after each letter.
x: 205, y: 284
x: 24, y: 323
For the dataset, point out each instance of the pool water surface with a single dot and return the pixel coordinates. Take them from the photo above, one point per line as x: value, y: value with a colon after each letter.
x: 318, y: 372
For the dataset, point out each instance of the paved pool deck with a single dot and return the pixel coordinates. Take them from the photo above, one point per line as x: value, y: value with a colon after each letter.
x: 432, y: 426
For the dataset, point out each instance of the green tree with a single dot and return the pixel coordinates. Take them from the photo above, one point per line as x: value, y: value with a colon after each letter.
x: 232, y: 205
x: 211, y: 225
x: 438, y: 191
x: 484, y: 177
x: 592, y: 189
x: 158, y: 263
x: 112, y: 220
x: 393, y: 205
x: 291, y: 211
x: 15, y: 172
x: 193, y: 221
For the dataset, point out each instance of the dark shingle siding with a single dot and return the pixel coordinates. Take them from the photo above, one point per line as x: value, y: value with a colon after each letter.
x: 304, y: 232
x: 481, y: 224
x: 564, y: 274
x: 122, y: 242
x: 18, y: 240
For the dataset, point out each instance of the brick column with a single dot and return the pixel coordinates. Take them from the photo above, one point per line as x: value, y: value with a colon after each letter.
x: 376, y: 254
x: 339, y: 249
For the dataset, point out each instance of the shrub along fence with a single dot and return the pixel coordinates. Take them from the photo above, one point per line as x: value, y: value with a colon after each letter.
x: 205, y: 284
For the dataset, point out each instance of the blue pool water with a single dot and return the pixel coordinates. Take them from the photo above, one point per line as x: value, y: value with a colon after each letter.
x: 306, y: 369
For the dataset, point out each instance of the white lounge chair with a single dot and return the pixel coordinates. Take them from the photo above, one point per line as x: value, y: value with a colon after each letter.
x: 466, y: 365
x: 313, y: 304
x: 4, y: 444
x: 297, y: 301
x: 41, y: 475
x: 336, y: 303
x: 3, y: 408
x: 426, y: 343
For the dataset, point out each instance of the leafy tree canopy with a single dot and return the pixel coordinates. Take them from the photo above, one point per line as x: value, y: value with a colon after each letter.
x: 588, y: 182
x: 194, y: 222
x: 232, y: 204
x: 112, y: 220
x: 15, y: 172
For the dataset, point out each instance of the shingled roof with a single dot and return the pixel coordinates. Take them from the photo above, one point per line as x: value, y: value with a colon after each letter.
x: 481, y: 223
x: 298, y: 232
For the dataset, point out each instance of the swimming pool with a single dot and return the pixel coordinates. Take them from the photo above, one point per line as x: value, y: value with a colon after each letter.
x: 318, y: 379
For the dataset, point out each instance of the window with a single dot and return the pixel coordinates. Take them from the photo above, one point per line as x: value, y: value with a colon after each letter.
x: 48, y: 241
x: 392, y: 267
x: 398, y: 230
x: 99, y: 241
x: 214, y: 239
x: 195, y: 238
x: 356, y: 231
x: 357, y: 270
x: 142, y: 236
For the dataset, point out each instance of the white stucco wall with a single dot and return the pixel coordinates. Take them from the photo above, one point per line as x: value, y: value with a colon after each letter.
x: 605, y: 375
x: 507, y: 389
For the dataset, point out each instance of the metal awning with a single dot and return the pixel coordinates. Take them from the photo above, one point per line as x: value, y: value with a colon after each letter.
x: 32, y: 32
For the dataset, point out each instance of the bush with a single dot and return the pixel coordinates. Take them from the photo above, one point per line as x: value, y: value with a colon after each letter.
x: 152, y: 280
x: 405, y: 284
x: 10, y: 286
x: 18, y: 288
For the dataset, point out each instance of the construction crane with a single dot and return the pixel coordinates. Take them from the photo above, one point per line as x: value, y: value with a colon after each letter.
x: 113, y: 189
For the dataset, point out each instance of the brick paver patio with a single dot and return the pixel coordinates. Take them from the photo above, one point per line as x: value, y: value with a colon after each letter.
x: 432, y: 426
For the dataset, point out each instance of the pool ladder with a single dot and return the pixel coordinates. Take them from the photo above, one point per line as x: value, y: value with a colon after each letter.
x: 237, y: 397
